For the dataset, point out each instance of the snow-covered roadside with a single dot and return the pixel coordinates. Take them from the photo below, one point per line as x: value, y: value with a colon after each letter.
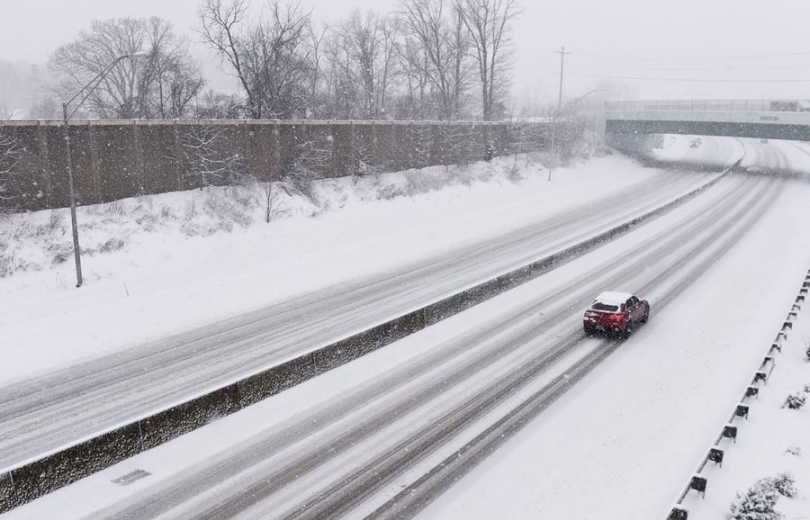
x: 165, y: 281
x: 620, y: 444
x: 774, y: 440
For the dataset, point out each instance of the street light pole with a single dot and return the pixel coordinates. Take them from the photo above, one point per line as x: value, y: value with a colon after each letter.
x: 77, y: 257
x: 89, y: 88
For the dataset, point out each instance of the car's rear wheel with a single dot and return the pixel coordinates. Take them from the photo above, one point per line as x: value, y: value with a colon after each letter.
x: 588, y: 329
x: 646, y: 316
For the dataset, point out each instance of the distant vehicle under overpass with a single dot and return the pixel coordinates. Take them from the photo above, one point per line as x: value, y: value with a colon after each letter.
x: 762, y: 119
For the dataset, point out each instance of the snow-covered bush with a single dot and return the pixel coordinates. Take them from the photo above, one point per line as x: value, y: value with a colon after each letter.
x: 808, y: 353
x: 758, y: 503
x: 795, y: 401
x: 794, y: 450
x: 784, y: 484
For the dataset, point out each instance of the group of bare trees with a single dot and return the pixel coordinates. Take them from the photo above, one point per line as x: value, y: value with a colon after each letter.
x: 429, y: 59
x: 356, y: 67
x: 421, y: 62
x: 269, y: 55
x: 160, y: 83
x: 436, y: 54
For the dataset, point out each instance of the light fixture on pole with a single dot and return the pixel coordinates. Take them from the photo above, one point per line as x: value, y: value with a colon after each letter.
x: 87, y: 90
x: 583, y: 96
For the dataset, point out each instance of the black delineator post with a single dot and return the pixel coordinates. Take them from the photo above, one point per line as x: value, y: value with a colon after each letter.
x: 699, y: 483
x: 716, y: 455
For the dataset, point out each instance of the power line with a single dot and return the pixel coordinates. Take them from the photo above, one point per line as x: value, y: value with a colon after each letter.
x: 710, y: 69
x: 691, y: 58
x: 692, y: 80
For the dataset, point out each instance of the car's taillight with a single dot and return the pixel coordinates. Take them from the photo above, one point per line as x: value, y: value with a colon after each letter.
x: 617, y: 317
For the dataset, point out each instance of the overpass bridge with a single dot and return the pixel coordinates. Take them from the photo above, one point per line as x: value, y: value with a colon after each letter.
x: 771, y: 119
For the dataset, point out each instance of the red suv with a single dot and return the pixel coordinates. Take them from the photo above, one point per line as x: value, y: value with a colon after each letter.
x: 616, y: 313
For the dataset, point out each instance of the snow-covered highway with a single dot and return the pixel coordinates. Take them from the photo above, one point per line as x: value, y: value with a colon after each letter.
x: 386, y: 434
x: 56, y: 410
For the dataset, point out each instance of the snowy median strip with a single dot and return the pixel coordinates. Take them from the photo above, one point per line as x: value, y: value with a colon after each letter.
x: 765, y: 491
x: 76, y: 459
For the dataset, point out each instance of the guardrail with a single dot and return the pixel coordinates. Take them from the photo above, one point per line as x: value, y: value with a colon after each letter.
x: 33, y: 479
x: 716, y: 452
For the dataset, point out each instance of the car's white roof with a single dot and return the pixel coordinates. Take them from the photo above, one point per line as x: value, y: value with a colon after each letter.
x: 613, y: 297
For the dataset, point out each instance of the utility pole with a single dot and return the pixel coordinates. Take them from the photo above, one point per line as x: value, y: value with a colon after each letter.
x: 562, y: 52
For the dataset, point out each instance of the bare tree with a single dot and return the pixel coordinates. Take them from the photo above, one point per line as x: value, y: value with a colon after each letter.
x: 489, y: 23
x: 343, y: 91
x: 271, y: 56
x: 170, y: 78
x: 365, y: 163
x: 422, y: 143
x: 417, y: 101
x: 91, y: 53
x: 307, y: 164
x: 131, y: 89
x: 319, y: 82
x: 10, y: 154
x: 368, y: 42
x: 438, y: 49
x: 460, y: 145
x: 269, y: 197
x: 205, y: 157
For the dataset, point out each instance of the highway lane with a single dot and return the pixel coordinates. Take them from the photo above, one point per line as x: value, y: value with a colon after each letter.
x: 340, y: 458
x: 49, y: 413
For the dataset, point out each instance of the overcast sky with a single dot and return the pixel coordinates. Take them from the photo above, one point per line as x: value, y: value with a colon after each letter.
x: 710, y: 42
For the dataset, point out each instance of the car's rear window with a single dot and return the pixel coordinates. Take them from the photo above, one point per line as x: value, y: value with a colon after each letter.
x: 599, y: 306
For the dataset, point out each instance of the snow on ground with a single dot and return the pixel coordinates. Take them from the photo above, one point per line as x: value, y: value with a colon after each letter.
x: 177, y: 266
x: 763, y: 450
x: 622, y: 443
x: 217, y: 440
x: 619, y: 445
